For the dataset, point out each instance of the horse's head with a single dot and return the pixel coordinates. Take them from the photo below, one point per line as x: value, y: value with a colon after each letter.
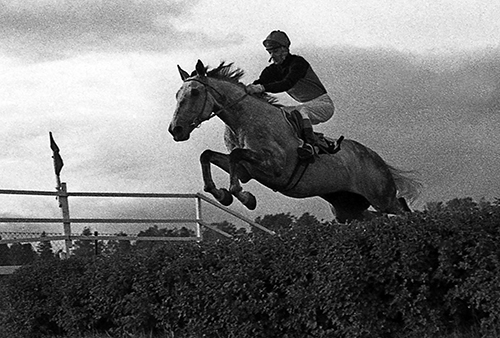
x: 194, y: 103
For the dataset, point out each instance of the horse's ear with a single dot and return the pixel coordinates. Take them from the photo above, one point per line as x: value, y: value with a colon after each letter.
x: 184, y: 74
x: 200, y: 68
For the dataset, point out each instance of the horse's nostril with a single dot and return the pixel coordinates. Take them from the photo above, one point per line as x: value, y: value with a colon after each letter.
x: 178, y: 133
x: 177, y: 130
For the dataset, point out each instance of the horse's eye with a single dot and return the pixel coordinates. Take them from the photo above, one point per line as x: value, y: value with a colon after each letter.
x: 195, y: 92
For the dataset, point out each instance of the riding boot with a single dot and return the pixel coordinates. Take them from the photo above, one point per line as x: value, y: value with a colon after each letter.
x: 307, y: 150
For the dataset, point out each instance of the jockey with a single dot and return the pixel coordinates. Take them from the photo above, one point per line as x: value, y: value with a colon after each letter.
x: 293, y: 74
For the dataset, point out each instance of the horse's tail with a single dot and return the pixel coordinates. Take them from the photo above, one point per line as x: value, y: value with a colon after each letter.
x: 408, y: 187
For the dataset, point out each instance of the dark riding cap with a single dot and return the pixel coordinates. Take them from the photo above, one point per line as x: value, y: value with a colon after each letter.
x: 276, y: 39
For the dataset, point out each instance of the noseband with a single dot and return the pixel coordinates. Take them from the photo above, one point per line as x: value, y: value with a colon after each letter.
x: 199, y: 119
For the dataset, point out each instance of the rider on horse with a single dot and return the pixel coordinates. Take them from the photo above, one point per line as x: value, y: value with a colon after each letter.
x: 293, y: 74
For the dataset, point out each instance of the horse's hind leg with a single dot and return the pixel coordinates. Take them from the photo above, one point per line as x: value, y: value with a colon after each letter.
x: 348, y: 206
x: 222, y: 161
x: 404, y: 204
x: 398, y: 207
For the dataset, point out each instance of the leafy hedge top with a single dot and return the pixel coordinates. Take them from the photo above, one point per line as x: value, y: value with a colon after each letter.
x: 426, y: 272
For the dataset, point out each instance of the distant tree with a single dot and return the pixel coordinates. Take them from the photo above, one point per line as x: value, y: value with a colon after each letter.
x: 276, y: 222
x: 227, y: 227
x: 118, y: 246
x: 21, y: 254
x: 164, y: 232
x: 86, y: 248
x: 154, y: 231
x: 433, y: 206
x: 184, y: 232
x: 44, y: 249
x: 4, y: 254
x: 169, y: 232
x: 462, y: 204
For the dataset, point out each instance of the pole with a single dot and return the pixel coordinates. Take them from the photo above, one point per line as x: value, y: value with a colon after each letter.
x: 62, y: 195
x: 64, y: 205
x: 198, y: 217
x: 96, y: 244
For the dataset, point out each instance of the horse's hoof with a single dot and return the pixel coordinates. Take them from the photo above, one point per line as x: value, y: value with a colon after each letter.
x: 226, y: 198
x: 248, y: 200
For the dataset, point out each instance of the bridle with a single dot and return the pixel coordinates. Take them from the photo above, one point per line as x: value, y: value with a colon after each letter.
x: 200, y: 119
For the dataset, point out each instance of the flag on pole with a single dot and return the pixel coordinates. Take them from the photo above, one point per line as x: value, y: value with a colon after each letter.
x: 58, y: 162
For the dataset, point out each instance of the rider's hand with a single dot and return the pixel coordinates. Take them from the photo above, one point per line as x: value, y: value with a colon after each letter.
x: 255, y: 89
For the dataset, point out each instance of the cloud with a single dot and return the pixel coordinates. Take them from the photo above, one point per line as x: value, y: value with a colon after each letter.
x: 439, y: 116
x: 106, y: 17
x: 49, y: 30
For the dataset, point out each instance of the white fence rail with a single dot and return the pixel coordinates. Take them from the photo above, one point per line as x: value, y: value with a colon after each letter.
x: 63, y: 195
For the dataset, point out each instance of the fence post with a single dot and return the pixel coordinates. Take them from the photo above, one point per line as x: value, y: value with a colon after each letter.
x: 198, y: 217
x: 96, y: 244
x: 63, y: 203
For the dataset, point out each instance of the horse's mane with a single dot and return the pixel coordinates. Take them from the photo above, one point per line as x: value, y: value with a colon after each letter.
x: 228, y: 72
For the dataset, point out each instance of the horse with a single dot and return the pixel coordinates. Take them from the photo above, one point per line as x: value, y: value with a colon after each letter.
x: 263, y: 146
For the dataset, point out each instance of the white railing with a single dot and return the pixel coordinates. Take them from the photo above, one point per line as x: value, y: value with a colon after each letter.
x: 62, y: 194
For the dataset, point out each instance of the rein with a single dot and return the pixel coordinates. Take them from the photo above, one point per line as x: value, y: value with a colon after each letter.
x: 199, y: 119
x: 301, y: 166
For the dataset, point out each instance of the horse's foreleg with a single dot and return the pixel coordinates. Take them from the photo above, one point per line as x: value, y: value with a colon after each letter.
x: 231, y: 164
x: 236, y: 156
x: 222, y: 161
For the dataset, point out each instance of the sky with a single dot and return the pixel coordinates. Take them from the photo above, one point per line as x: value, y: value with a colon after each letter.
x: 417, y: 81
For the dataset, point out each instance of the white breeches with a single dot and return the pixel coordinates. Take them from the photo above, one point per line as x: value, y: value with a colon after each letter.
x: 317, y: 110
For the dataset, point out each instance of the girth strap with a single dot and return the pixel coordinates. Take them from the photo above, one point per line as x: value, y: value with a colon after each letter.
x: 297, y: 174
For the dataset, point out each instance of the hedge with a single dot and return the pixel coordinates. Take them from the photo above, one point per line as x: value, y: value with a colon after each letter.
x: 429, y: 273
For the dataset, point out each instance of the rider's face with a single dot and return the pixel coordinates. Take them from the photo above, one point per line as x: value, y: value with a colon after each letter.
x: 278, y: 54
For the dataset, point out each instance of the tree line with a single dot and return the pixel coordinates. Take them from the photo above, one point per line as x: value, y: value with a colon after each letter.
x: 21, y: 254
x: 26, y: 253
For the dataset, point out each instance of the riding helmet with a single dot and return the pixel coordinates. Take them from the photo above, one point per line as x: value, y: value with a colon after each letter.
x: 276, y: 39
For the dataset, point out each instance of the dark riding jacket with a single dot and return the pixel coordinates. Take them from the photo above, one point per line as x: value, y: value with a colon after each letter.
x: 294, y: 76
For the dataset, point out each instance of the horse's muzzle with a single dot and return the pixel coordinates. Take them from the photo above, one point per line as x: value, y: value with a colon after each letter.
x: 179, y: 133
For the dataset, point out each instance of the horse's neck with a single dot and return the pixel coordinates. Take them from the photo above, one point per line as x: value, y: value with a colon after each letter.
x: 254, y: 122
x: 249, y: 111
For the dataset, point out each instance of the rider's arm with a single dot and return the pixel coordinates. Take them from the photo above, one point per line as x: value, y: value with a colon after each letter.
x: 268, y: 75
x: 292, y: 74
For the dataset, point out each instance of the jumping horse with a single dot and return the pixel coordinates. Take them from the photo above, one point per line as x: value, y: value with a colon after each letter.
x: 263, y: 146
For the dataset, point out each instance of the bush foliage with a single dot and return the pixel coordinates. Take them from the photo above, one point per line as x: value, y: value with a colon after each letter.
x: 426, y: 273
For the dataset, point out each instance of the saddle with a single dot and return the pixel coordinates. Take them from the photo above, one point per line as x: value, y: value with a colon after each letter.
x: 325, y: 144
